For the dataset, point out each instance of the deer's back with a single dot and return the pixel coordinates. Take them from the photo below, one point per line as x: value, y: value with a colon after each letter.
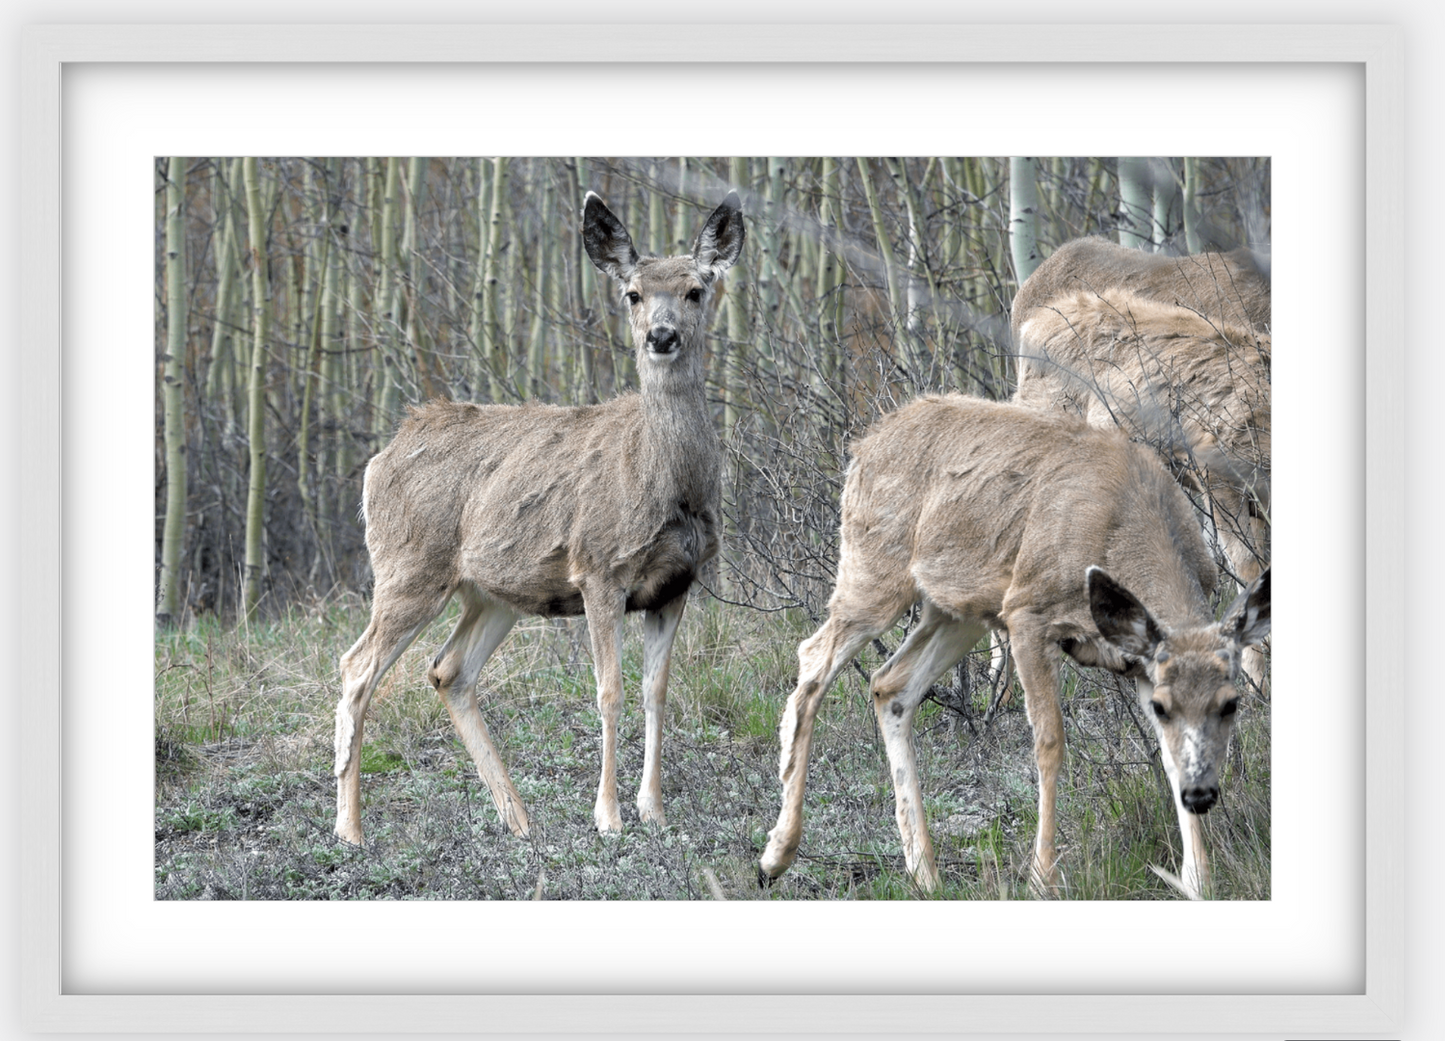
x: 1230, y: 287
x: 1185, y: 383
x: 522, y: 500
x: 988, y: 507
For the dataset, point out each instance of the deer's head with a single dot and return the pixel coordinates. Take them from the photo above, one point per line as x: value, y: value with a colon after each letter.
x: 1190, y: 693
x: 667, y: 299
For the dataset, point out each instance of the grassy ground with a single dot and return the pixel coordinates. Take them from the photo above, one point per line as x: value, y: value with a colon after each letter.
x: 245, y: 798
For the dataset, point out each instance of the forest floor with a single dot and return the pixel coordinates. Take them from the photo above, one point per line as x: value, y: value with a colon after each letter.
x: 245, y: 795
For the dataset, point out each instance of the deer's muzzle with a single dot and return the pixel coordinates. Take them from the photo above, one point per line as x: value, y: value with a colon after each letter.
x: 1198, y: 799
x: 662, y: 339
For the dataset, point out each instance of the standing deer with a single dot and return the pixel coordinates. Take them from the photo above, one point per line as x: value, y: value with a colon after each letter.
x: 1175, y: 350
x: 1068, y: 537
x: 544, y: 510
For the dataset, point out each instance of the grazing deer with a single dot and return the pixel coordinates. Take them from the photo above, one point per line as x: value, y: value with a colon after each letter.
x: 1176, y: 351
x: 538, y: 509
x: 1066, y: 536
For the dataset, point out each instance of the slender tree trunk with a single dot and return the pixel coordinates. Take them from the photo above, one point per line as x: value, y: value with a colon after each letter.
x: 885, y: 253
x: 1166, y: 196
x: 494, y: 361
x: 322, y: 299
x: 168, y: 605
x: 385, y: 305
x: 1191, y: 204
x: 478, y: 378
x: 1023, y: 216
x: 537, y: 333
x: 1136, y: 203
x: 682, y: 213
x: 832, y: 276
x: 737, y: 318
x: 219, y: 389
x: 585, y: 287
x: 256, y: 428
x: 429, y: 377
x: 656, y: 221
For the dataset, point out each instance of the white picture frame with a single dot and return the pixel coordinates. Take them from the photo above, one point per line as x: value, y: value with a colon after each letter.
x: 1377, y: 1009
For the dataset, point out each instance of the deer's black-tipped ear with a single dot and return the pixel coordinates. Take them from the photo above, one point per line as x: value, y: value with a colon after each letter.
x: 1120, y: 617
x: 1248, y: 616
x: 720, y: 242
x: 606, y: 240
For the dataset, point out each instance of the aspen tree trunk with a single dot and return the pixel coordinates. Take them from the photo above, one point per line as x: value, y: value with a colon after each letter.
x: 322, y: 299
x: 831, y: 278
x: 1023, y: 216
x: 915, y: 295
x: 1136, y: 203
x: 428, y: 377
x: 1166, y: 196
x: 256, y: 426
x: 953, y: 195
x: 1191, y: 204
x: 331, y: 295
x: 681, y: 214
x: 885, y: 250
x: 384, y: 306
x: 771, y: 242
x: 558, y: 240
x: 656, y: 222
x: 352, y: 422
x: 537, y: 334
x: 478, y: 376
x: 218, y: 376
x: 737, y: 315
x: 168, y: 605
x: 585, y: 286
x: 494, y: 361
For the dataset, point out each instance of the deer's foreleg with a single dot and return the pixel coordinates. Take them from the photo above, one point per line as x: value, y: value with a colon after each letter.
x: 659, y: 630
x: 604, y: 623
x: 1038, y: 672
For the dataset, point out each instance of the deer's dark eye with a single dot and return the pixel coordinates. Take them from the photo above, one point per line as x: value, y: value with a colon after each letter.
x: 1230, y: 707
x: 694, y: 295
x: 1159, y: 709
x: 634, y: 299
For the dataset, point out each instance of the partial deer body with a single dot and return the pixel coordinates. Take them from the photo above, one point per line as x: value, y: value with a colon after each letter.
x: 1232, y: 288
x: 545, y: 510
x: 1175, y: 350
x: 1068, y: 537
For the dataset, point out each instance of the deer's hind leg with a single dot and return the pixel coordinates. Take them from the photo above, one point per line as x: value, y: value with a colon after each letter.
x: 659, y: 630
x: 934, y: 645
x: 852, y: 622
x: 398, y: 614
x: 454, y: 671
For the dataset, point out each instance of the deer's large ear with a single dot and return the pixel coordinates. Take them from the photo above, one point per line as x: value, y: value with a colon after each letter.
x: 1248, y: 616
x: 606, y: 240
x: 720, y: 242
x: 1120, y: 617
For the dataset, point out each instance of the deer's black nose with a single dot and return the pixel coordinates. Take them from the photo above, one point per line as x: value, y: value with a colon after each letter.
x: 1199, y: 799
x: 662, y: 339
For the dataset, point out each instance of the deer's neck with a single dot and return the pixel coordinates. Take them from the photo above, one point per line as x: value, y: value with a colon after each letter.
x: 679, y: 445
